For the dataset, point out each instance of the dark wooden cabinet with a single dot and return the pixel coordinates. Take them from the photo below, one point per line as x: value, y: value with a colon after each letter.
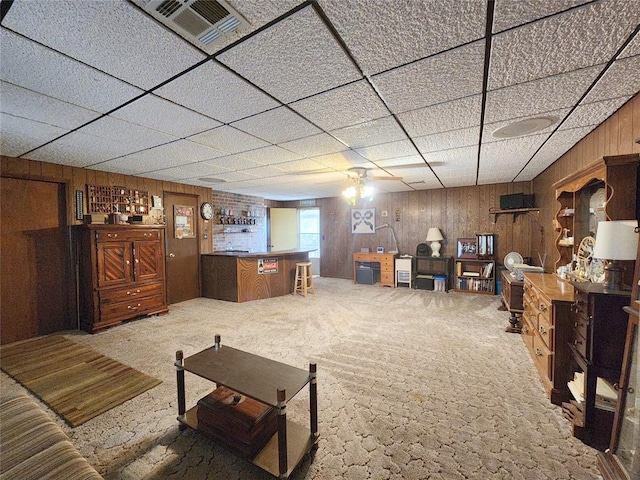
x: 512, y: 297
x: 122, y: 273
x: 622, y: 460
x: 597, y: 347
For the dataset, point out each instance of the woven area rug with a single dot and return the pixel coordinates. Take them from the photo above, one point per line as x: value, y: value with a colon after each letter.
x: 77, y: 382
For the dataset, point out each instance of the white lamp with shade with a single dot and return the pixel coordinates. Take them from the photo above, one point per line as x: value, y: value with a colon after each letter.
x: 434, y: 236
x: 615, y: 241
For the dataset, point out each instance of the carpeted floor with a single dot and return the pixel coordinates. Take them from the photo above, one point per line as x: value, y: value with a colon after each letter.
x: 411, y: 384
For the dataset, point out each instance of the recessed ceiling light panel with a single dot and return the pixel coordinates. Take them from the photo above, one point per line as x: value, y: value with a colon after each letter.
x: 524, y: 127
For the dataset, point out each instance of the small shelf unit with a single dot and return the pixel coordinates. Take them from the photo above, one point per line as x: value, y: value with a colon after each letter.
x: 475, y: 276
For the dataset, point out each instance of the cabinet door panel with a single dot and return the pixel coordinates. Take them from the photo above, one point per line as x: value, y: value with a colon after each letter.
x: 148, y: 260
x: 114, y: 263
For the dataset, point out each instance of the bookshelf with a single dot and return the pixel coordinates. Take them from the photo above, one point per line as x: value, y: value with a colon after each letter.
x: 475, y: 266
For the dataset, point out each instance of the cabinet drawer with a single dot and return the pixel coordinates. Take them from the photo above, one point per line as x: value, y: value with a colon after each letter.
x: 128, y: 235
x: 580, y: 324
x: 386, y: 277
x: 132, y: 308
x: 545, y: 328
x: 527, y: 332
x: 580, y: 344
x: 129, y: 294
x: 543, y: 357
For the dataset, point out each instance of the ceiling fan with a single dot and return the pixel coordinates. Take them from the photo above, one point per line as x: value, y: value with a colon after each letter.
x: 362, y: 175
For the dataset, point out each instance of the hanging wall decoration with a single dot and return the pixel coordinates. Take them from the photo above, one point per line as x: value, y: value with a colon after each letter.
x: 363, y: 220
x: 183, y: 221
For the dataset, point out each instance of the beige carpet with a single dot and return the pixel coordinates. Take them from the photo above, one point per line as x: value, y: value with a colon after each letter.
x: 411, y: 385
x: 74, y: 380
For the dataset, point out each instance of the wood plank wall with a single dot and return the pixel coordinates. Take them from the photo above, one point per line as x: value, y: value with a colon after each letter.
x: 615, y: 136
x: 458, y: 212
x: 77, y: 178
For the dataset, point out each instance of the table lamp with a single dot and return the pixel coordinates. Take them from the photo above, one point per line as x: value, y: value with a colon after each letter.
x: 434, y: 236
x: 615, y: 241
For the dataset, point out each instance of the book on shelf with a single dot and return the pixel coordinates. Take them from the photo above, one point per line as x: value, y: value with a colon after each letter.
x: 470, y: 274
x: 486, y: 272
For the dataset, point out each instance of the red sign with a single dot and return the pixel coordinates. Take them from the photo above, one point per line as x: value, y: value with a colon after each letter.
x: 267, y: 265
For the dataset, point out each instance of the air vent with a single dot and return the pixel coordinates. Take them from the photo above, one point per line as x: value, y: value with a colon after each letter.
x: 205, y: 23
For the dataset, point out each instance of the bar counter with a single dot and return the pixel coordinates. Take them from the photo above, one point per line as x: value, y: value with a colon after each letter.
x: 240, y: 276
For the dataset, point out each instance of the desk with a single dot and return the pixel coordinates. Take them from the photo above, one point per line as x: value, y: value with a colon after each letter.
x: 512, y: 293
x: 386, y: 262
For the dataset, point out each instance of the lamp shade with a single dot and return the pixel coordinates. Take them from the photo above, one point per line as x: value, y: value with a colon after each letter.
x: 616, y: 240
x: 434, y: 235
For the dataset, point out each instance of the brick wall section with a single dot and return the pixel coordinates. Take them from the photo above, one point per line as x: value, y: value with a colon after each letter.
x: 251, y: 235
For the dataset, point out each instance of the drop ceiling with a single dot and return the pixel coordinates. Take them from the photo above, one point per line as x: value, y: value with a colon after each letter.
x: 283, y: 108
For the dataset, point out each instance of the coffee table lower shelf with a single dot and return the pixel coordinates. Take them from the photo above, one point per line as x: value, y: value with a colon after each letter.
x: 299, y: 443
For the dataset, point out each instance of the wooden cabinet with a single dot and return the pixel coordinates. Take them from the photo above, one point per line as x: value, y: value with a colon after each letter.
x: 546, y: 325
x: 121, y: 273
x: 604, y: 190
x: 597, y: 346
x: 512, y: 297
x: 475, y: 276
x: 622, y: 460
x: 385, y: 262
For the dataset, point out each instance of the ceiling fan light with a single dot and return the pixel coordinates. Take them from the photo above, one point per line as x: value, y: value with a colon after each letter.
x: 524, y: 127
x: 349, y: 192
x: 367, y: 191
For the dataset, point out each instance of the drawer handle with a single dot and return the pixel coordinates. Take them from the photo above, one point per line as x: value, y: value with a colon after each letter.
x: 525, y: 329
x: 137, y: 261
x: 112, y: 235
x: 543, y: 330
x: 128, y: 262
x: 538, y: 352
x: 617, y: 388
x: 577, y: 342
x: 133, y: 293
x: 147, y: 235
x: 543, y: 307
x: 134, y: 307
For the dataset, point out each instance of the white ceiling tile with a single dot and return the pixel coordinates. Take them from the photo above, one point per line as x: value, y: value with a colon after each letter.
x: 266, y: 171
x: 385, y: 34
x: 489, y: 128
x: 164, y: 116
x: 434, y: 80
x: 236, y: 176
x: 576, y: 39
x: 172, y: 154
x: 277, y: 126
x: 315, y: 145
x: 447, y: 140
x: 416, y: 175
x: 384, y: 151
x: 559, y: 143
x: 293, y: 59
x: 20, y: 135
x: 298, y: 166
x: 457, y: 161
x: 341, y: 160
x: 234, y: 162
x: 80, y: 150
x: 382, y: 130
x: 37, y: 68
x: 214, y: 91
x: 187, y: 171
x: 20, y: 102
x: 349, y: 105
x: 508, y: 14
x: 229, y: 139
x: 271, y: 155
x: 539, y: 96
x: 592, y: 114
x: 633, y: 48
x: 111, y: 36
x: 454, y: 115
x: 504, y: 159
x: 413, y: 160
x: 610, y: 86
x: 134, y: 137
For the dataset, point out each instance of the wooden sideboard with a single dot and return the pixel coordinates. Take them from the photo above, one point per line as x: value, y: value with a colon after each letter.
x: 386, y: 262
x: 512, y: 297
x: 121, y: 273
x: 546, y: 327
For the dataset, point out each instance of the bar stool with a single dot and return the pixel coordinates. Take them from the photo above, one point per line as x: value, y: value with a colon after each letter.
x: 304, y: 279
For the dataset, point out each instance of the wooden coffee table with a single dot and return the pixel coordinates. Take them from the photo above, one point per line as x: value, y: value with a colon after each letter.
x: 266, y: 381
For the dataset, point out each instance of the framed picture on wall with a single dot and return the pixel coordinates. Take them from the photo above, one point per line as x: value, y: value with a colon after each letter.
x: 183, y: 222
x: 467, y: 248
x: 363, y: 220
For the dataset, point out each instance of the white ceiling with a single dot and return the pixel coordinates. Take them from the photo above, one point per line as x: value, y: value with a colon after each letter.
x: 408, y: 88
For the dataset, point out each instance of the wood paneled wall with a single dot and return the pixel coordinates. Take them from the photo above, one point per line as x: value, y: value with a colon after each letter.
x: 615, y: 136
x: 77, y: 178
x: 458, y: 212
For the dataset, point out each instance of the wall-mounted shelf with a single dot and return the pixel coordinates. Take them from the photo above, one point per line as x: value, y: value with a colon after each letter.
x: 532, y: 212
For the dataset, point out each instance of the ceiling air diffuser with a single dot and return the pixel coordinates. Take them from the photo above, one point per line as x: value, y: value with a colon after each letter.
x: 205, y: 23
